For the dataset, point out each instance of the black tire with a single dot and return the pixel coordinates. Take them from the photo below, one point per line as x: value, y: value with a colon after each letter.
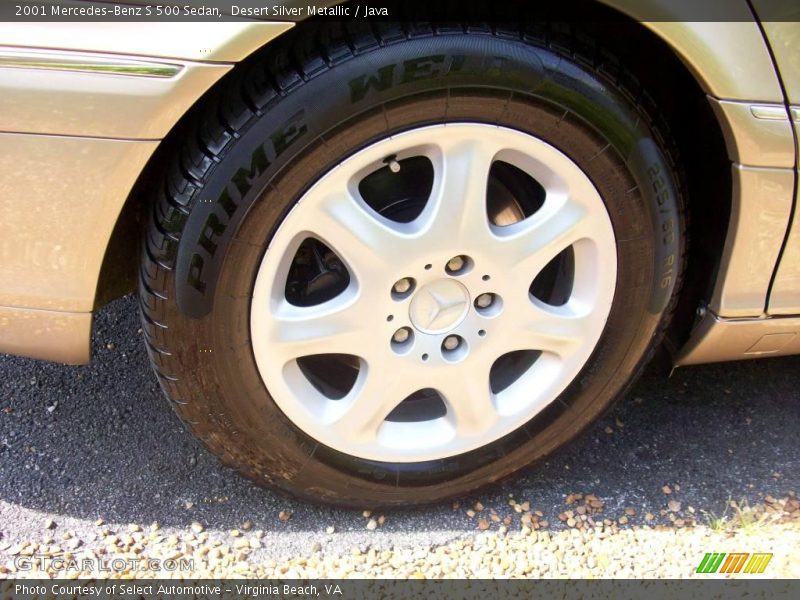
x: 285, y: 117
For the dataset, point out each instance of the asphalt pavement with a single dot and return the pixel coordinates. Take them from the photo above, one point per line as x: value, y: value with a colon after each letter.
x: 78, y: 443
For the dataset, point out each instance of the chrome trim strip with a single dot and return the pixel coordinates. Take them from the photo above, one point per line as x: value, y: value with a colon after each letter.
x: 770, y: 112
x: 85, y: 63
x: 795, y: 114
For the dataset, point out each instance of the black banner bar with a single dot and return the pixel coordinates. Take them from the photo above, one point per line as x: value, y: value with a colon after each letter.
x: 233, y: 589
x: 496, y: 11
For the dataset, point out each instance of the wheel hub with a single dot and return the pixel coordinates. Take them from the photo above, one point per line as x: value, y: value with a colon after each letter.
x: 439, y: 306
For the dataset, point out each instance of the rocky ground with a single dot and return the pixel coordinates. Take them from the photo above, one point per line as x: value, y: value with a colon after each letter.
x: 94, y: 465
x: 522, y: 545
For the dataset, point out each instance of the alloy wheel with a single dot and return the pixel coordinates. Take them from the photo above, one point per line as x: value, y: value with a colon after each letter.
x: 433, y: 292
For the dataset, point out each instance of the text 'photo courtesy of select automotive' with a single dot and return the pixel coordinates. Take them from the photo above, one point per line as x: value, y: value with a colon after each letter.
x: 399, y: 299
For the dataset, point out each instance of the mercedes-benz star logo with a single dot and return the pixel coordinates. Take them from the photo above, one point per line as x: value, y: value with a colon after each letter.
x: 439, y: 306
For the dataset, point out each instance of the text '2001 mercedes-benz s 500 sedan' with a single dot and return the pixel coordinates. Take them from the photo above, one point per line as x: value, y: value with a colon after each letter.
x: 387, y: 262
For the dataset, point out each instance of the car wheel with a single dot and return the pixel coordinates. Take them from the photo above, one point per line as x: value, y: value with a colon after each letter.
x: 390, y: 267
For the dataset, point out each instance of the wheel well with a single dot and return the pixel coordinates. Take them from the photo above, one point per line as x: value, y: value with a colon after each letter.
x: 675, y: 92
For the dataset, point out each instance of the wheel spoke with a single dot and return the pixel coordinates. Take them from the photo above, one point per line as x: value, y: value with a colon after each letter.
x: 529, y: 245
x: 560, y: 330
x: 469, y: 399
x: 364, y: 240
x: 333, y: 327
x: 376, y: 392
x: 457, y: 207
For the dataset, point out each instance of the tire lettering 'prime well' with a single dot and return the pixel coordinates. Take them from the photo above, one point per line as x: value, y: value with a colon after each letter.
x: 220, y: 214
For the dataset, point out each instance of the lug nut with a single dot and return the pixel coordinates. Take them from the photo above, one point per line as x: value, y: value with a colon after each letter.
x: 402, y: 286
x: 484, y: 300
x: 401, y: 335
x: 451, y: 342
x: 455, y: 264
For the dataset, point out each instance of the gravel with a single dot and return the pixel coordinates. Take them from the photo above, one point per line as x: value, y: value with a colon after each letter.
x: 598, y: 548
x: 94, y: 463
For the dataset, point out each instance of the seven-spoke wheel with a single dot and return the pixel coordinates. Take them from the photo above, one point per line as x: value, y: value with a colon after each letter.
x: 404, y: 356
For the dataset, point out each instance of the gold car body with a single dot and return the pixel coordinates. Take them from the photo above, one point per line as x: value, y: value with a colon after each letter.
x: 83, y: 107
